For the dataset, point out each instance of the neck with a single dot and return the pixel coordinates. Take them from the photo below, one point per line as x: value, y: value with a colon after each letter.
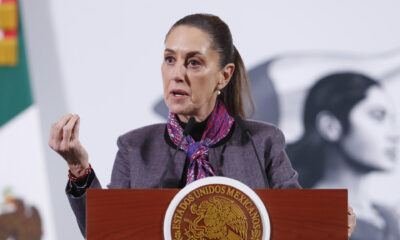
x: 339, y: 173
x: 197, y: 129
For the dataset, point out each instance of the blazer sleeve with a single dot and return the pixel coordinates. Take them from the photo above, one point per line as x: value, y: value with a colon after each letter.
x: 119, y: 179
x: 280, y: 172
x: 78, y: 204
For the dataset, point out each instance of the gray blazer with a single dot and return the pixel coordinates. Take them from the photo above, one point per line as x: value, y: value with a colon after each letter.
x: 144, y: 152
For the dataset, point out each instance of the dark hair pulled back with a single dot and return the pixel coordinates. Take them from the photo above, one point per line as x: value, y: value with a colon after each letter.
x: 337, y: 94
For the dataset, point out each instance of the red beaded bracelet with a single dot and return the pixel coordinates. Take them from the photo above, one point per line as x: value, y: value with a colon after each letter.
x: 73, y: 178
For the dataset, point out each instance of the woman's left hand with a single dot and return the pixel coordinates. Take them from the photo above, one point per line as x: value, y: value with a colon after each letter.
x: 351, y: 220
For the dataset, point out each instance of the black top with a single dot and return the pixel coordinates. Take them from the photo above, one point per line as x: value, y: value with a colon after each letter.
x: 197, y: 130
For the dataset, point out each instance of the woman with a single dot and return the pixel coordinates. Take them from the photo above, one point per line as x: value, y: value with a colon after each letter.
x: 204, y: 77
x: 349, y: 132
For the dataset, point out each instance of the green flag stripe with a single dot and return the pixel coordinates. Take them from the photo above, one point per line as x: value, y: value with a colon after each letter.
x: 15, y: 89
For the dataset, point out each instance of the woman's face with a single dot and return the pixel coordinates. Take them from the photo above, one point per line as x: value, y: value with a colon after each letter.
x: 191, y: 73
x: 372, y: 136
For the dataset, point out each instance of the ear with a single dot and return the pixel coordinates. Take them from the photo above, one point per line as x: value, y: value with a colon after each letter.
x: 328, y: 126
x: 226, y: 74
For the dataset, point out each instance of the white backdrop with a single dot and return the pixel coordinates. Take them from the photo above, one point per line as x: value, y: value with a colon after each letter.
x: 104, y: 59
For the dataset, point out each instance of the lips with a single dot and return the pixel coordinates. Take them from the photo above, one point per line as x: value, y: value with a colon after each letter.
x: 178, y: 93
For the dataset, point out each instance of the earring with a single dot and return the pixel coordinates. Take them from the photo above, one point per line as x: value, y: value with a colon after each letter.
x: 219, y: 92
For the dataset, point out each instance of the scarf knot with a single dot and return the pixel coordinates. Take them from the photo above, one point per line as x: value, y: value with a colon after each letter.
x: 217, y: 128
x: 193, y: 147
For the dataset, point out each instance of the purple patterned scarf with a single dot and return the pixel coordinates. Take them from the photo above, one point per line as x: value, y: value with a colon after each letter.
x: 218, y: 126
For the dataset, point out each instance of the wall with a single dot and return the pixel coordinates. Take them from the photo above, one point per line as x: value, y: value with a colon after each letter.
x: 101, y: 59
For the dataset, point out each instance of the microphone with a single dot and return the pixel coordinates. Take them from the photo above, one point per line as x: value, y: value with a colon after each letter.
x: 186, y: 131
x: 246, y: 130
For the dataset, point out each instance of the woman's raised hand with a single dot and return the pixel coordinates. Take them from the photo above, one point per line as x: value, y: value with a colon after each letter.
x: 64, y: 139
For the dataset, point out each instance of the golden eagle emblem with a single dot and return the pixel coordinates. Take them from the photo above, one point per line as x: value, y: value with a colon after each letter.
x: 217, y: 218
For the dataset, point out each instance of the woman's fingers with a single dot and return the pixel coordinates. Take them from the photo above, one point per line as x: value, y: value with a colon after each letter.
x: 75, y: 131
x: 67, y: 133
x: 351, y: 220
x: 56, y: 131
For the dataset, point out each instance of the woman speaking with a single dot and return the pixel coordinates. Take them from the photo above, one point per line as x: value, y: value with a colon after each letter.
x: 205, y: 88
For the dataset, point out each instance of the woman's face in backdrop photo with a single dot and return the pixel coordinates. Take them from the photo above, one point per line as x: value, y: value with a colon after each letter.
x: 191, y: 73
x: 372, y: 137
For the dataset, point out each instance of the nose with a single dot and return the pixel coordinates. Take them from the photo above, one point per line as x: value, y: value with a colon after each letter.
x: 394, y: 134
x: 394, y: 137
x: 393, y: 130
x: 179, y: 72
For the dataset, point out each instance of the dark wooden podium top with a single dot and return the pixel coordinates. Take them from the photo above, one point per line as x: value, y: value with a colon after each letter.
x: 139, y: 213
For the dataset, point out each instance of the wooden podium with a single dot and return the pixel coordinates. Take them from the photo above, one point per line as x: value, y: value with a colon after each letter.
x: 139, y: 213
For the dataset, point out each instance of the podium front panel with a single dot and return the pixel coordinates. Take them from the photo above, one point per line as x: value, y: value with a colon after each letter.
x: 300, y: 214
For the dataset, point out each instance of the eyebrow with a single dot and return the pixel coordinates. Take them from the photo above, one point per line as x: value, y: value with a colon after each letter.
x: 188, y: 55
x: 169, y: 50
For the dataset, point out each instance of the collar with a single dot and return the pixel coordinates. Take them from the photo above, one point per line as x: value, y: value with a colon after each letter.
x: 221, y: 142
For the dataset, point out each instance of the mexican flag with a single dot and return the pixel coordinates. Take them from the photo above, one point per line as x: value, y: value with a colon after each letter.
x: 25, y: 208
